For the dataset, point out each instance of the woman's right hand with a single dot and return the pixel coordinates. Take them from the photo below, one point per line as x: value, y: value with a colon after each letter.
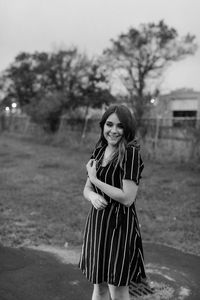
x: 98, y: 201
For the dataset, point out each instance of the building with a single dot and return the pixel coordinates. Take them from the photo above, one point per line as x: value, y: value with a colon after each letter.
x: 177, y: 107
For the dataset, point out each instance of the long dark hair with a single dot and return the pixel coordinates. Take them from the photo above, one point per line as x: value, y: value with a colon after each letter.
x: 129, y: 127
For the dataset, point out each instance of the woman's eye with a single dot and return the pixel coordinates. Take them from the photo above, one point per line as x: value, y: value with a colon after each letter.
x: 120, y: 126
x: 109, y: 124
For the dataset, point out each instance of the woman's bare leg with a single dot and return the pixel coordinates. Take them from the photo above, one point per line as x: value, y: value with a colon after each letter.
x: 101, y: 292
x: 119, y: 292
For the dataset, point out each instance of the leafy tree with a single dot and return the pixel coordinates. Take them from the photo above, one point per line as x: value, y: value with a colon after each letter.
x: 141, y: 55
x: 19, y: 79
x: 95, y: 91
x: 56, y: 82
x: 33, y: 75
x: 60, y: 81
x: 65, y: 71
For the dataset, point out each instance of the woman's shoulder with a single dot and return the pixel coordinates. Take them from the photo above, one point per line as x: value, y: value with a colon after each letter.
x: 130, y: 152
x: 132, y: 147
x: 133, y: 156
x: 133, y: 153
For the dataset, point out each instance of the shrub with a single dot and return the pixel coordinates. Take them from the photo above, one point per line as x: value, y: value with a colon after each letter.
x: 46, y: 111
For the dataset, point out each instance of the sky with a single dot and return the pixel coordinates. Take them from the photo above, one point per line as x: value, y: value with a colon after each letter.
x: 50, y: 25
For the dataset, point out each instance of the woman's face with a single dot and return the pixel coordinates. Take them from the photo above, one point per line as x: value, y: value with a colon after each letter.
x: 113, y: 130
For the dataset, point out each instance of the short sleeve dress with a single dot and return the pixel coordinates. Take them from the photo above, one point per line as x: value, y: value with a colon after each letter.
x: 112, y: 246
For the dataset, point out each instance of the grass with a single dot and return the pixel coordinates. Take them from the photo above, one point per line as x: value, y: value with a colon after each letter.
x: 41, y: 198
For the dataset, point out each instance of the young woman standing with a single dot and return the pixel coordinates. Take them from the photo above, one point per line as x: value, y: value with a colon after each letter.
x: 112, y: 254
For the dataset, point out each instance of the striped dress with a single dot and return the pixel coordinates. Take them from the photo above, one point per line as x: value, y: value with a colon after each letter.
x: 112, y: 246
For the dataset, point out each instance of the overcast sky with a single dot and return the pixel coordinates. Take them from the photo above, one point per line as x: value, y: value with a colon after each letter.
x: 47, y: 25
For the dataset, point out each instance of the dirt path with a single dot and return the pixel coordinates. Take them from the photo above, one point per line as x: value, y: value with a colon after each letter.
x: 30, y: 274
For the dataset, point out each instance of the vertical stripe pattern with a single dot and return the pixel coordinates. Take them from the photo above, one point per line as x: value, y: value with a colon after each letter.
x: 112, y: 245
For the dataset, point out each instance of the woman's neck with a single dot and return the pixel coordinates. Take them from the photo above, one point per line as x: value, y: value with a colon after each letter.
x: 111, y: 149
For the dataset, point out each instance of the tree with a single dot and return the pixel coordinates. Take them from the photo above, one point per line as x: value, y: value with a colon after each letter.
x: 19, y: 79
x: 31, y: 76
x: 55, y: 82
x: 143, y: 54
x: 65, y: 71
x: 94, y: 91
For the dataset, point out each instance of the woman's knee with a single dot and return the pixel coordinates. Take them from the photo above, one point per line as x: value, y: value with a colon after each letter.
x: 119, y: 292
x: 101, y: 289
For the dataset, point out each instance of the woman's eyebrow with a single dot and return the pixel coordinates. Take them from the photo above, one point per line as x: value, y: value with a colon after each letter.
x: 110, y: 122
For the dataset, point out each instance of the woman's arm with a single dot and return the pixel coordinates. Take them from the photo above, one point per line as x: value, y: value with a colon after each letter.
x: 97, y: 200
x: 125, y: 196
x: 88, y: 190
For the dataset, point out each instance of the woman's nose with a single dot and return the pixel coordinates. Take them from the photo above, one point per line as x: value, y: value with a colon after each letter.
x: 114, y: 129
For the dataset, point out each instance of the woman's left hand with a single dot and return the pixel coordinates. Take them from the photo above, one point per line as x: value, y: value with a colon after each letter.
x: 91, y: 169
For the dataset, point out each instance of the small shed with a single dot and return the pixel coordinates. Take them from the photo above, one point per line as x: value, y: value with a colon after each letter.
x: 177, y: 107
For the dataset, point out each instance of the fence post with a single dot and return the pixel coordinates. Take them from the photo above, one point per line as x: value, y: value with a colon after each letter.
x: 155, y: 140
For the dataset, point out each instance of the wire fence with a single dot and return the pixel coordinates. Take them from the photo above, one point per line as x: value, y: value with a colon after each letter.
x: 161, y: 138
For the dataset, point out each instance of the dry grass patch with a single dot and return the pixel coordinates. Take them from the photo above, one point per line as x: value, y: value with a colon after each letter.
x: 41, y: 198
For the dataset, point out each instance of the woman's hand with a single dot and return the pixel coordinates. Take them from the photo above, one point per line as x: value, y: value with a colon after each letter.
x: 98, y: 201
x: 91, y: 169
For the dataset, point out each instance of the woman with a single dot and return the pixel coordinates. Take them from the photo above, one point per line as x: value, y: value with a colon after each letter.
x: 112, y: 254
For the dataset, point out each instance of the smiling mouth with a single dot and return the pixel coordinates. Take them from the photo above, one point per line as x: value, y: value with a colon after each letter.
x: 114, y: 137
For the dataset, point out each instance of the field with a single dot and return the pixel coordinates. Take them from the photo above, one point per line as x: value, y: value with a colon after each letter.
x: 41, y: 198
